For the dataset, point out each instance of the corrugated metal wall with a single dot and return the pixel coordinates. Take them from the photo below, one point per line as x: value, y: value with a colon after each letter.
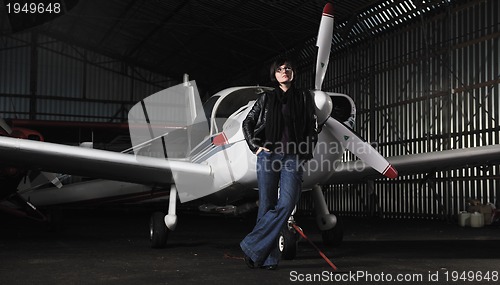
x: 45, y: 79
x: 430, y: 86
x: 14, y: 76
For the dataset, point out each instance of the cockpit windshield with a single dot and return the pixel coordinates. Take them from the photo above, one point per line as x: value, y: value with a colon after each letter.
x: 225, y: 105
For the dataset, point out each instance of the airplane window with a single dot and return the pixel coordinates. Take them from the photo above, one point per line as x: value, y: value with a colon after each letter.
x: 208, y: 106
x: 234, y: 101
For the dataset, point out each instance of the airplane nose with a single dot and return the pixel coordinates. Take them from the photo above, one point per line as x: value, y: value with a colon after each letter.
x: 323, y: 105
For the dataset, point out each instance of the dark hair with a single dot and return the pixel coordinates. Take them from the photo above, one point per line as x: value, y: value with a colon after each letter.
x: 277, y: 63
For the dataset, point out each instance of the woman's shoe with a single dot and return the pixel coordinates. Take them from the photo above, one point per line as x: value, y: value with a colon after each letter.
x: 249, y: 262
x: 270, y: 267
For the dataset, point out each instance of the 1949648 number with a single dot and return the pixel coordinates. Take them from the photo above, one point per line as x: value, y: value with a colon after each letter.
x: 33, y: 8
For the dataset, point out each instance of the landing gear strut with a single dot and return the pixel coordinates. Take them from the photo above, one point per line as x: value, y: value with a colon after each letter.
x: 161, y: 225
x: 334, y: 237
x: 330, y: 225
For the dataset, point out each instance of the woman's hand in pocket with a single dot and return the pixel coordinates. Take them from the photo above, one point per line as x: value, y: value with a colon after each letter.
x: 261, y: 149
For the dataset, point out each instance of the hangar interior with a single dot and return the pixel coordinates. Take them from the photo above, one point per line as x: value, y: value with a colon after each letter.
x: 424, y: 75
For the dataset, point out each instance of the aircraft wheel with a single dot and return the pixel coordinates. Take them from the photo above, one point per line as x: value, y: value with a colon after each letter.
x: 287, y: 244
x: 334, y: 237
x: 158, y: 231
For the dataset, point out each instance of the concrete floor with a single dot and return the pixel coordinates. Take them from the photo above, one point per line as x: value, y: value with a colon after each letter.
x: 112, y: 247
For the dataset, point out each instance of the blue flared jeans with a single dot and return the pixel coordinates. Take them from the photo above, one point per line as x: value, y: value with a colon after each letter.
x: 274, y: 170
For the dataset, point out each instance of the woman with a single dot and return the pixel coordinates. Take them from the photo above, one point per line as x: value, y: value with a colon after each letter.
x: 281, y: 130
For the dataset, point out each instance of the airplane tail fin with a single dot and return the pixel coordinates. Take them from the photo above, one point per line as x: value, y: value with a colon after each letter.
x: 169, y: 123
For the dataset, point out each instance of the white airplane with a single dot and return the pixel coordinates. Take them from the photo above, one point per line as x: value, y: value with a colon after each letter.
x: 176, y: 146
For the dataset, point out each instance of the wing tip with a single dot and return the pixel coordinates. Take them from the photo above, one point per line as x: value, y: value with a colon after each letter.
x: 391, y: 172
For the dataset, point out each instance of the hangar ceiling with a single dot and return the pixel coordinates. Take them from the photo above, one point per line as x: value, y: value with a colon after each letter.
x: 216, y: 41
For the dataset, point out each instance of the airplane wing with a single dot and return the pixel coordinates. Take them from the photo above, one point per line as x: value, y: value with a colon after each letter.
x: 164, y: 129
x: 356, y: 171
x: 95, y: 163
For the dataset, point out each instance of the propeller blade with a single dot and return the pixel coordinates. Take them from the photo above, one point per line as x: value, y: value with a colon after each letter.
x: 361, y: 148
x: 324, y: 43
x: 5, y: 126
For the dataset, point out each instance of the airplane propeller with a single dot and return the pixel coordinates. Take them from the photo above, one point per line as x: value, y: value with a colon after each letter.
x: 323, y: 102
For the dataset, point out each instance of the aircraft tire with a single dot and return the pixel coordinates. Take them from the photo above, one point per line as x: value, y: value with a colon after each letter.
x: 333, y: 237
x: 287, y: 244
x: 158, y: 231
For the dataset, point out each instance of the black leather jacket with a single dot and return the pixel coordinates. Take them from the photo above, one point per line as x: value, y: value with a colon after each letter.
x: 255, y: 122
